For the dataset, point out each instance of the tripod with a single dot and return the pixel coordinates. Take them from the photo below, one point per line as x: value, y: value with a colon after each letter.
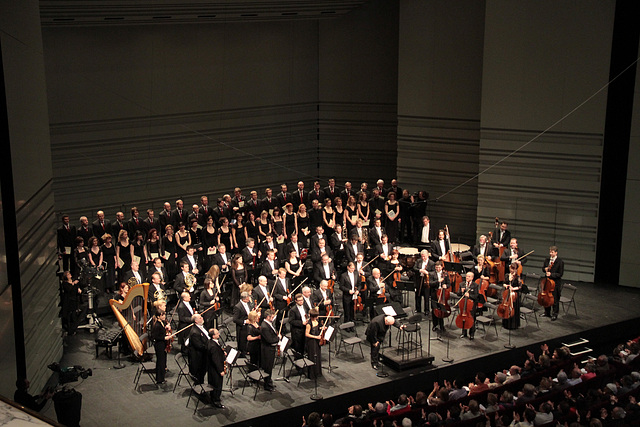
x: 94, y: 321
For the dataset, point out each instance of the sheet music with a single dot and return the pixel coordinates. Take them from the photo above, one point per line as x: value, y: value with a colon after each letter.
x: 283, y: 344
x: 154, y: 255
x: 67, y: 250
x: 136, y: 259
x: 329, y: 333
x: 120, y: 262
x: 231, y: 356
x: 241, y: 204
x: 211, y: 251
x: 389, y: 311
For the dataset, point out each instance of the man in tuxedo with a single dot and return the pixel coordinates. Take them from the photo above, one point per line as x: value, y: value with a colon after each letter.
x: 164, y: 218
x: 438, y: 279
x: 360, y: 232
x: 156, y: 290
x: 179, y: 215
x: 376, y: 233
x: 118, y: 225
x: 198, y: 349
x: 268, y: 343
x: 483, y: 248
x: 321, y: 250
x: 238, y: 201
x: 501, y: 235
x: 316, y: 220
x: 422, y: 268
x: 150, y: 223
x: 250, y: 258
x: 324, y: 270
x: 268, y: 245
x: 346, y: 193
x: 300, y: 197
x: 134, y: 272
x: 262, y: 295
x: 298, y: 323
x: 193, y: 260
x: 424, y: 233
x: 361, y: 267
x: 384, y: 250
x: 283, y: 197
x: 180, y: 282
x: 350, y: 285
x: 471, y: 290
x: 380, y: 187
x: 66, y: 242
x: 553, y: 268
x: 240, y: 318
x: 269, y: 203
x: 270, y: 266
x: 135, y: 224
x: 316, y: 194
x: 353, y: 248
x: 377, y: 287
x: 184, y: 312
x: 205, y: 209
x: 323, y: 297
x: 85, y: 230
x: 375, y: 333
x: 196, y: 215
x: 511, y: 255
x: 157, y: 267
x: 306, y: 298
x: 100, y: 226
x: 293, y: 245
x: 331, y: 191
x: 280, y: 294
x: 439, y: 247
x: 222, y: 259
x: 395, y: 189
x: 253, y: 205
x: 216, y: 368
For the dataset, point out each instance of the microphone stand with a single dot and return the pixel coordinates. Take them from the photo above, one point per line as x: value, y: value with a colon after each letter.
x: 316, y: 395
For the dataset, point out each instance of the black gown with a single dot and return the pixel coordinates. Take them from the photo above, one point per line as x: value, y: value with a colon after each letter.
x: 350, y: 214
x: 109, y: 256
x: 253, y: 347
x: 183, y: 241
x: 313, y: 352
x: 225, y: 238
x: 125, y: 256
x: 206, y: 299
x: 291, y: 224
x: 294, y: 266
x: 239, y: 277
x: 252, y: 231
x: 392, y: 226
x: 96, y: 261
x: 170, y: 247
x: 264, y: 228
x: 209, y: 240
x: 241, y: 241
x: 303, y: 222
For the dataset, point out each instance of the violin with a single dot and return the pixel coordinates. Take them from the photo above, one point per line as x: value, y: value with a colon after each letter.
x: 397, y: 274
x: 465, y: 317
x: 324, y: 327
x: 330, y: 284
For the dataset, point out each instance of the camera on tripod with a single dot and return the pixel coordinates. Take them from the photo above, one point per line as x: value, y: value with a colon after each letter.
x: 69, y: 374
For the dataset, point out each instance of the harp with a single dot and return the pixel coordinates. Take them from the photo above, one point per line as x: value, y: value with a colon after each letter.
x: 132, y: 316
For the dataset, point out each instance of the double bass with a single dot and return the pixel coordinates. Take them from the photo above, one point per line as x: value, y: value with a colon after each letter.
x: 443, y: 309
x: 546, y: 288
x: 465, y: 317
x: 450, y: 256
x: 506, y: 310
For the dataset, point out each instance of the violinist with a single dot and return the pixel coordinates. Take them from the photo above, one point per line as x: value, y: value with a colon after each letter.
x: 438, y: 279
x: 319, y: 251
x: 384, y: 250
x: 184, y: 312
x: 481, y: 269
x: 216, y: 367
x: 298, y: 323
x: 313, y: 333
x: 377, y: 288
x: 241, y: 319
x: 306, y: 297
x: 439, y: 247
x: 159, y: 336
x: 324, y: 270
x: 361, y: 267
x: 322, y: 298
x: 208, y: 297
x: 553, y: 268
x: 269, y: 338
x: 394, y: 265
x: 513, y: 285
x: 350, y: 287
x: 470, y: 289
x: 353, y: 248
x: 270, y: 266
x: 280, y: 294
x: 261, y: 295
x: 512, y: 253
x: 421, y: 268
x: 253, y: 338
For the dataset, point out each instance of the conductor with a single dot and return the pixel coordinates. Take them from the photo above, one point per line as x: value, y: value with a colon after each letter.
x: 375, y: 333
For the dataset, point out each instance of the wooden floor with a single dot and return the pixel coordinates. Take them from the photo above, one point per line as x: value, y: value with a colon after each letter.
x: 109, y: 396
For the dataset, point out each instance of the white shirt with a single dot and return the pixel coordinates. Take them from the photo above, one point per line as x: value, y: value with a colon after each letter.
x: 265, y: 292
x: 295, y: 246
x: 188, y: 305
x: 443, y: 248
x: 303, y: 314
x: 425, y: 233
x: 206, y: 334
x: 246, y: 307
x: 138, y: 277
x: 327, y: 272
x: 192, y: 261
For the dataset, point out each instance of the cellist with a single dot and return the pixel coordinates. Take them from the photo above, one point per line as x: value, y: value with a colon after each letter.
x: 470, y: 289
x: 350, y: 287
x: 437, y: 280
x: 481, y: 270
x: 553, y: 268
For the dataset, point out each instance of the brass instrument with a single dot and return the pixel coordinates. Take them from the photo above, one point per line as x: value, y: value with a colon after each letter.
x: 365, y: 237
x: 345, y: 237
x: 132, y: 282
x: 160, y: 295
x: 189, y: 281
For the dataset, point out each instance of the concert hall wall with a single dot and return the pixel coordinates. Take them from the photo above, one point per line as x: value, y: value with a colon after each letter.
x: 30, y: 336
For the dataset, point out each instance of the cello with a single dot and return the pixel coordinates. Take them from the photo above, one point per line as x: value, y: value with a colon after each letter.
x: 506, y: 309
x: 483, y: 289
x: 546, y: 288
x: 464, y: 320
x: 443, y: 301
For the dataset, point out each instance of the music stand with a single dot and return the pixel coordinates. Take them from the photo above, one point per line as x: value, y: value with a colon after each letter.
x: 455, y: 267
x: 232, y: 358
x: 406, y: 286
x: 331, y: 331
x: 284, y: 345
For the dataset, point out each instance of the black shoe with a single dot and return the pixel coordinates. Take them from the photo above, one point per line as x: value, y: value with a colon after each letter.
x: 554, y: 317
x: 269, y: 388
x: 162, y: 382
x: 219, y: 405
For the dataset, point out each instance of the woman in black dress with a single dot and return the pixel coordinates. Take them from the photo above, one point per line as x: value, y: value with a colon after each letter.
x: 392, y: 211
x: 153, y: 247
x: 237, y: 230
x: 251, y: 227
x: 96, y: 258
x: 159, y: 337
x: 209, y: 243
x: 339, y: 209
x: 264, y: 226
x: 124, y: 253
x: 351, y: 214
x: 313, y: 335
x: 139, y: 249
x: 239, y: 276
x: 224, y: 235
x: 364, y: 209
x: 302, y: 220
x: 277, y: 226
x: 109, y: 256
x: 80, y: 255
x: 253, y: 338
x: 290, y: 222
x: 170, y: 251
x: 294, y: 267
x: 328, y: 217
x: 183, y: 240
x: 514, y: 284
x: 207, y: 298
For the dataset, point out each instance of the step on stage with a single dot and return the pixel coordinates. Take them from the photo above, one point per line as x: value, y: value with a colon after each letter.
x: 398, y: 360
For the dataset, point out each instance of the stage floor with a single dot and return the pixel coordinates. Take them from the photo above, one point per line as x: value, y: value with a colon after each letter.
x: 109, y: 397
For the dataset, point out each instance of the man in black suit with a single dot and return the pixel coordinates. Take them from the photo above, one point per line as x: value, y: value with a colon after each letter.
x: 316, y: 194
x: 269, y: 203
x: 318, y: 252
x: 270, y: 266
x: 216, y: 367
x: 323, y: 297
x: 376, y: 204
x: 198, y: 343
x: 250, y: 258
x: 283, y: 197
x: 350, y: 285
x: 150, y: 223
x: 164, y: 218
x: 281, y: 287
x: 293, y: 245
x: 300, y: 197
x: 438, y: 279
x: 193, y: 260
x: 324, y: 270
x: 331, y: 191
x: 156, y: 290
x: 134, y: 272
x: 422, y: 267
x: 346, y: 193
x: 179, y: 215
x: 501, y: 235
x: 376, y: 233
x: 377, y: 288
x: 375, y: 333
x: 319, y: 234
x: 384, y: 250
x: 85, y: 230
x: 184, y: 312
x: 470, y: 290
x: 240, y: 318
x: 196, y: 215
x: 238, y: 201
x: 100, y: 226
x: 424, y: 233
x: 553, y: 268
x: 483, y: 248
x: 118, y: 225
x: 298, y: 323
x: 135, y: 224
x: 253, y: 205
x: 269, y: 245
x: 262, y: 294
x: 66, y: 243
x: 180, y: 281
x: 268, y: 343
x: 205, y: 209
x: 157, y: 267
x: 353, y: 248
x: 361, y: 267
x: 439, y: 247
x: 306, y: 298
x: 316, y: 219
x: 394, y: 188
x: 222, y: 259
x: 511, y: 255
